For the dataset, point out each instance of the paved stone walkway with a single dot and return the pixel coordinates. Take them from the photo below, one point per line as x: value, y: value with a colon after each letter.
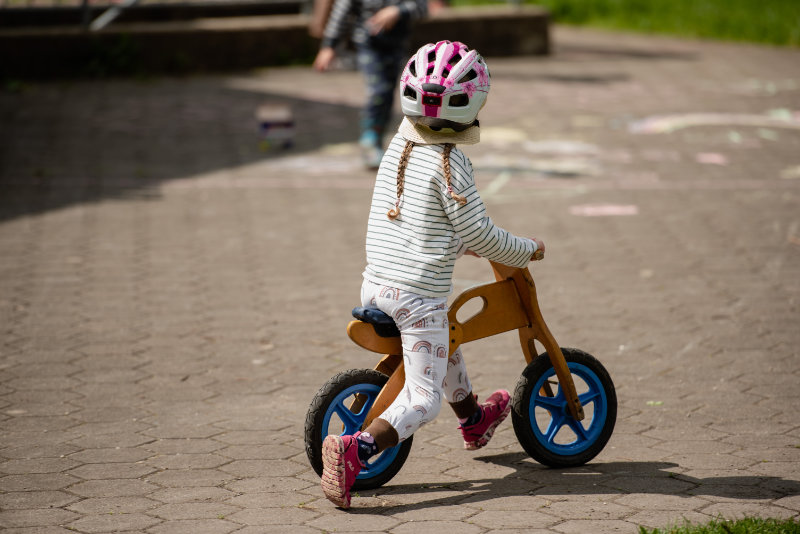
x: 171, y: 296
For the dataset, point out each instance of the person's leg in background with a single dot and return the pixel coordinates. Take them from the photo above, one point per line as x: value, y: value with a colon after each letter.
x: 381, y: 68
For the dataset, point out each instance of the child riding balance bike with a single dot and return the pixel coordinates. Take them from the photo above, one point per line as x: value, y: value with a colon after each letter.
x: 425, y: 213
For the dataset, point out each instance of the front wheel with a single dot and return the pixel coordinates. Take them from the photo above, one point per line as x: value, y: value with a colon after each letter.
x: 340, y: 407
x: 542, y: 420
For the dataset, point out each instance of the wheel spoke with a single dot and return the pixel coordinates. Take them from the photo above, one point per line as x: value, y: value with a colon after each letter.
x: 577, y: 427
x: 351, y: 422
x: 555, y: 425
x: 552, y: 404
x: 589, y: 396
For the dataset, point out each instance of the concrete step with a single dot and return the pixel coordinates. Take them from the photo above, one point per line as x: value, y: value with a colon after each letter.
x: 236, y: 43
x: 144, y: 11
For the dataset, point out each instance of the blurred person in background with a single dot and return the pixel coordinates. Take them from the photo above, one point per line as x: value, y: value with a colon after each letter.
x: 381, y: 33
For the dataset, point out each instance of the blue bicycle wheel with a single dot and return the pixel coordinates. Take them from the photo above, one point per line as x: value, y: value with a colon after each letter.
x: 340, y: 407
x: 542, y: 422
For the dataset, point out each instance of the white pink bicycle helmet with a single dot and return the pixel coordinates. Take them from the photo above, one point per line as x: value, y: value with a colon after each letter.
x: 444, y: 84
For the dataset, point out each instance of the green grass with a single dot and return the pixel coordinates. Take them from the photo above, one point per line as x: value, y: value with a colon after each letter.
x: 741, y: 526
x: 766, y: 21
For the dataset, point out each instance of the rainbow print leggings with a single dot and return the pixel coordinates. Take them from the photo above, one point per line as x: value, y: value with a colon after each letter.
x: 430, y: 373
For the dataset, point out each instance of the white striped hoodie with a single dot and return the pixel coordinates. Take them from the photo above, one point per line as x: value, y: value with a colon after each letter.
x: 417, y: 250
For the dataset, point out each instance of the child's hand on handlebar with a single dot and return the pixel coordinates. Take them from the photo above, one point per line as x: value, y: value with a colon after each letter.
x: 539, y: 254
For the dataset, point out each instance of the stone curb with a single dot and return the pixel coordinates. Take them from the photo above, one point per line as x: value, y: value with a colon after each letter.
x: 237, y: 43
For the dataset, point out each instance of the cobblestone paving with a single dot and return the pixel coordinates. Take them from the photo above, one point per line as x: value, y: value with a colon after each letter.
x: 171, y: 296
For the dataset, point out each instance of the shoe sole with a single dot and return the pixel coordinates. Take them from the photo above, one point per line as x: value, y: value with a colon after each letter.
x: 333, y: 472
x: 484, y: 439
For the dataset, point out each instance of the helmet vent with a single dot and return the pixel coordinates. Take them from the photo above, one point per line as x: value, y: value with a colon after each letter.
x: 471, y: 75
x: 433, y: 88
x: 455, y: 59
x: 410, y: 93
x: 431, y: 56
x: 458, y: 101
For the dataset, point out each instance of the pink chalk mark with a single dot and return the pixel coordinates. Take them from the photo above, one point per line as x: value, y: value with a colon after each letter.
x: 604, y: 210
x: 711, y: 158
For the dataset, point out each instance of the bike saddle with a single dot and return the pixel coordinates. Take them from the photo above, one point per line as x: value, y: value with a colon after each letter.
x: 382, y: 323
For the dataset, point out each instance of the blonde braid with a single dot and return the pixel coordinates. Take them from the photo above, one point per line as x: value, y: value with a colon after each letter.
x: 446, y: 164
x: 401, y: 177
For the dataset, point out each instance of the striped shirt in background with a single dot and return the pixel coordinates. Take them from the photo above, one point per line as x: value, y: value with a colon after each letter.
x: 417, y: 251
x: 344, y: 11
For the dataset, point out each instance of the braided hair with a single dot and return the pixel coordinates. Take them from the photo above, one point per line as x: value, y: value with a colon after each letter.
x: 401, y: 176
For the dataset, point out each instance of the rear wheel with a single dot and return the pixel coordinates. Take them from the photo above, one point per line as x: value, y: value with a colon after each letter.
x: 340, y: 407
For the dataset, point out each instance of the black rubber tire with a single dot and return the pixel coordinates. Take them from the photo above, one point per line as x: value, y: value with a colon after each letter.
x: 520, y: 413
x: 318, y: 409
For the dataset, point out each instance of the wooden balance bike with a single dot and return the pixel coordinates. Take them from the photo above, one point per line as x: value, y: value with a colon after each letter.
x: 563, y: 408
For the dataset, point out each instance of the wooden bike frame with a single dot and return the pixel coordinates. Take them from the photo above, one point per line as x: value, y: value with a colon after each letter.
x: 510, y: 303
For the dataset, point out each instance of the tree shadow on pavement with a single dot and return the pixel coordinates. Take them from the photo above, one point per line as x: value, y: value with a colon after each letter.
x: 83, y: 142
x: 627, y: 52
x: 532, y: 479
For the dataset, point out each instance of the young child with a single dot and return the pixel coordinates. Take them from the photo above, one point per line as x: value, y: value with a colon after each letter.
x: 425, y: 213
x: 381, y: 34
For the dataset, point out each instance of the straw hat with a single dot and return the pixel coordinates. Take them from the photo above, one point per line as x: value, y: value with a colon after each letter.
x: 423, y: 135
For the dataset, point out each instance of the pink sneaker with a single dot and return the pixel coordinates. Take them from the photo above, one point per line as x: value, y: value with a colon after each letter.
x: 340, y: 467
x: 495, y: 410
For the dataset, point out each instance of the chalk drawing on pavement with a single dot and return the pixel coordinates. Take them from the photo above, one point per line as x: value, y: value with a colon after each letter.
x: 501, y: 136
x: 541, y: 167
x: 754, y: 87
x: 604, y: 210
x: 791, y: 173
x: 777, y: 118
x: 562, y: 147
x: 711, y: 158
x: 553, y: 158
